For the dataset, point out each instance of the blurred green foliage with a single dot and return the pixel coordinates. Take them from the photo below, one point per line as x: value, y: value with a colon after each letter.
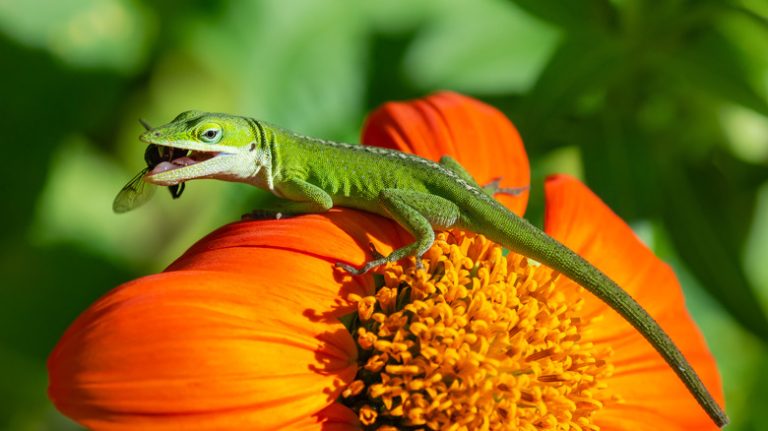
x: 659, y: 106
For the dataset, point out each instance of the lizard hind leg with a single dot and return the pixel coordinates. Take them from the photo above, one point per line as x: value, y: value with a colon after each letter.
x: 452, y: 165
x: 491, y: 188
x: 418, y: 213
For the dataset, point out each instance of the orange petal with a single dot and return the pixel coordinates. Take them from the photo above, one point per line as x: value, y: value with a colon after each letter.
x: 271, y: 248
x: 654, y: 396
x: 335, y: 417
x: 477, y: 135
x: 338, y: 235
x: 200, y: 350
x: 240, y: 333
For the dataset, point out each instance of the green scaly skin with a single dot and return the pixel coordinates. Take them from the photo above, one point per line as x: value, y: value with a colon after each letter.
x: 313, y: 175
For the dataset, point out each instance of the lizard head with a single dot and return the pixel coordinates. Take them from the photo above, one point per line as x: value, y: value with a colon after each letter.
x: 204, y: 145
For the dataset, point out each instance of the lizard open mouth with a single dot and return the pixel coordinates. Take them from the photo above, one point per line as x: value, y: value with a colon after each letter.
x: 160, y: 158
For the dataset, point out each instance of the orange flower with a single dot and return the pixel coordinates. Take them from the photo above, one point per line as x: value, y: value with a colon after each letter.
x: 243, y: 331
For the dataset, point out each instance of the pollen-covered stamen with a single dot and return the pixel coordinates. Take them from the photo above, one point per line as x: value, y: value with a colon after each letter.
x: 476, y: 340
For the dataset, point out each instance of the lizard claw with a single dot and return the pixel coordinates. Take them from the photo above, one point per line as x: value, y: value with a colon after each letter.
x: 378, y: 260
x: 375, y: 253
x: 351, y: 269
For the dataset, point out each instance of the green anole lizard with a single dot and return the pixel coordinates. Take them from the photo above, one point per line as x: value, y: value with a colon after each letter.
x: 313, y: 175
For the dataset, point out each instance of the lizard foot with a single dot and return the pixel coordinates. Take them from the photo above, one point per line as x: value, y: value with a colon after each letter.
x: 493, y: 188
x: 359, y: 271
x: 378, y: 260
x: 375, y: 253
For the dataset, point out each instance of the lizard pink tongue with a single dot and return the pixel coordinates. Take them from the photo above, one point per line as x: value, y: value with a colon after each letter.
x: 175, y: 164
x: 183, y: 161
x: 162, y: 167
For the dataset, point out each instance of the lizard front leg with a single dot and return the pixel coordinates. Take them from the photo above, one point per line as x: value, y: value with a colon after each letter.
x: 418, y: 213
x: 300, y: 197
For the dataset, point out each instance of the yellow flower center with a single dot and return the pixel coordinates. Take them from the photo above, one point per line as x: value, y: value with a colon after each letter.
x: 475, y: 340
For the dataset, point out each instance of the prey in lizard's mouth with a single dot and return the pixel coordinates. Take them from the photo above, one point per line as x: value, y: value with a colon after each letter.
x: 171, y: 165
x: 162, y: 159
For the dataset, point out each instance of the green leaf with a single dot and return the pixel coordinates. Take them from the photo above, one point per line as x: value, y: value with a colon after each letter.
x: 489, y: 48
x: 575, y: 15
x: 45, y: 103
x: 618, y: 163
x: 385, y: 76
x: 112, y: 34
x: 581, y: 67
x: 713, y: 65
x: 705, y: 218
x: 298, y: 63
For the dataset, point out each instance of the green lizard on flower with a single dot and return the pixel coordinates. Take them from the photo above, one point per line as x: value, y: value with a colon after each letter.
x: 313, y: 175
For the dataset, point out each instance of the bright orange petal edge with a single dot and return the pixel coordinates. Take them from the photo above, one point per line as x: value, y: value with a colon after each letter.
x: 248, y: 339
x: 476, y: 134
x: 654, y: 398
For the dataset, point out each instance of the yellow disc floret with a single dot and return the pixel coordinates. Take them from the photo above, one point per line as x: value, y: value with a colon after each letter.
x: 474, y: 341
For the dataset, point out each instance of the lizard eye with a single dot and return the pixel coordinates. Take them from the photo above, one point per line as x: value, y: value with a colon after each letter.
x: 211, y: 134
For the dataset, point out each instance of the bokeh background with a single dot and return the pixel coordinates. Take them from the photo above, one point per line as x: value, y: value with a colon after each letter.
x: 660, y: 107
